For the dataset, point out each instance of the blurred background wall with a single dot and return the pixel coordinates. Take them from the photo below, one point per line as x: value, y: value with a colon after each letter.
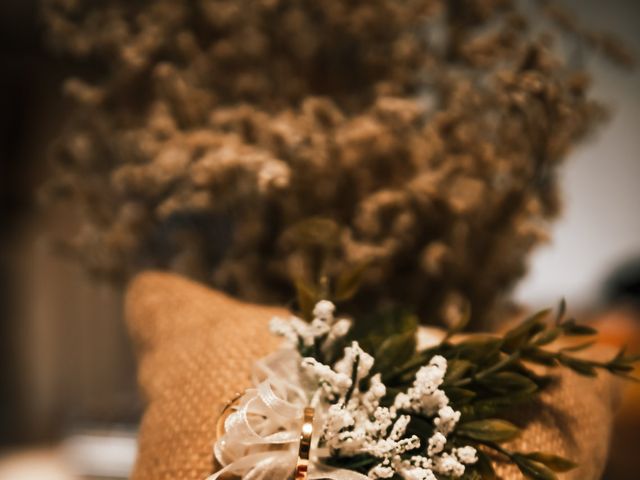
x: 600, y: 227
x: 65, y: 360
x: 57, y: 370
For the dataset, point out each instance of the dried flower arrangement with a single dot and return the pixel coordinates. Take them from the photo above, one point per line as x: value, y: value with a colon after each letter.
x: 377, y: 407
x: 430, y: 132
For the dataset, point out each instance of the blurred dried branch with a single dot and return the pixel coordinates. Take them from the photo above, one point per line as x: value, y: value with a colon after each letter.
x: 430, y: 131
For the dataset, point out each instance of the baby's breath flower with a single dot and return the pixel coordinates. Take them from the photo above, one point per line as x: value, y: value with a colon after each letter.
x: 439, y: 362
x: 303, y: 330
x: 338, y: 330
x: 402, y: 402
x: 371, y: 398
x: 294, y: 330
x: 446, y: 420
x: 434, y: 402
x: 319, y: 328
x: 424, y: 396
x: 382, y: 471
x: 420, y: 461
x: 324, y: 310
x: 448, y: 464
x: 467, y: 454
x: 418, y: 473
x: 436, y: 443
x: 400, y: 427
x: 352, y: 355
x: 331, y: 382
x: 322, y: 332
x: 338, y: 418
x: 281, y: 327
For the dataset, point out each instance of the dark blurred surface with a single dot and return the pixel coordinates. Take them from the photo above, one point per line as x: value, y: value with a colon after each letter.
x: 22, y: 72
x: 58, y: 371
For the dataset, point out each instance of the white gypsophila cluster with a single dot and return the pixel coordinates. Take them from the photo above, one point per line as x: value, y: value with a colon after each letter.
x: 323, y: 330
x: 331, y: 384
x: 355, y: 423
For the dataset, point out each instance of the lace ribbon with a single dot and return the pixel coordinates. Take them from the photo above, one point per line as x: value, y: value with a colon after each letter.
x: 262, y: 435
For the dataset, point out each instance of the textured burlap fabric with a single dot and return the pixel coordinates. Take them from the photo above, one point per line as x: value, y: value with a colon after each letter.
x: 573, y: 419
x: 196, y: 347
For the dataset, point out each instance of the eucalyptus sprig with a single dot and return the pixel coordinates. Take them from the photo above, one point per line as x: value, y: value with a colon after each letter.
x: 487, y: 376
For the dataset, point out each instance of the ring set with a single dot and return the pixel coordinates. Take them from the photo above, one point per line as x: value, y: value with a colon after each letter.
x: 226, y: 411
x: 302, y: 465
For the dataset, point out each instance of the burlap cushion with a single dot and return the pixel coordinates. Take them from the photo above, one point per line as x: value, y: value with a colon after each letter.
x: 196, y: 347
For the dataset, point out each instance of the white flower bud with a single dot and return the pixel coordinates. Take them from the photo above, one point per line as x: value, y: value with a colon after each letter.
x: 467, y: 455
x: 446, y: 420
x: 324, y: 310
x: 340, y: 328
x: 436, y: 444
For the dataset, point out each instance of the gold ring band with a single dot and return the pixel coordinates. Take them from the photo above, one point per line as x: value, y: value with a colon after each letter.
x: 306, y: 434
x: 302, y: 467
x: 226, y: 411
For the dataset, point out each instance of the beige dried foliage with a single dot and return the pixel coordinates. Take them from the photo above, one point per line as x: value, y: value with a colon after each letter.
x: 431, y: 131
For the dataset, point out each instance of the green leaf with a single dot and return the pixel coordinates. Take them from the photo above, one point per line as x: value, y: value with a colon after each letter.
x: 307, y: 299
x: 620, y: 368
x: 630, y: 359
x: 419, y: 425
x: 538, y: 355
x: 349, y: 281
x: 490, y: 430
x: 456, y: 369
x: 459, y: 396
x: 485, y: 467
x: 579, y: 366
x: 554, y: 462
x: 546, y: 336
x: 489, y: 407
x: 351, y: 463
x: 621, y: 354
x: 578, y: 347
x: 316, y: 232
x: 470, y: 474
x: 477, y: 348
x: 519, y: 335
x: 562, y: 310
x: 396, y: 350
x: 372, y: 330
x: 631, y: 378
x: 532, y: 469
x: 509, y: 382
x: 572, y: 328
x: 622, y: 358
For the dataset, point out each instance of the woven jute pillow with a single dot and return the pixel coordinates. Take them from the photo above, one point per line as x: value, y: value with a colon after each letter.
x: 196, y: 347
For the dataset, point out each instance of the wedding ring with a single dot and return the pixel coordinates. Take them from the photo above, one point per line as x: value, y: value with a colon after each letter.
x: 226, y: 411
x: 302, y: 467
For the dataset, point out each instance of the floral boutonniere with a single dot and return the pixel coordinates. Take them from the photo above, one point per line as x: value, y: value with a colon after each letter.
x: 345, y: 400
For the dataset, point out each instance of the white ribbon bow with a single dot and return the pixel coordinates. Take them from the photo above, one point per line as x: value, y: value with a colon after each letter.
x: 262, y: 435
